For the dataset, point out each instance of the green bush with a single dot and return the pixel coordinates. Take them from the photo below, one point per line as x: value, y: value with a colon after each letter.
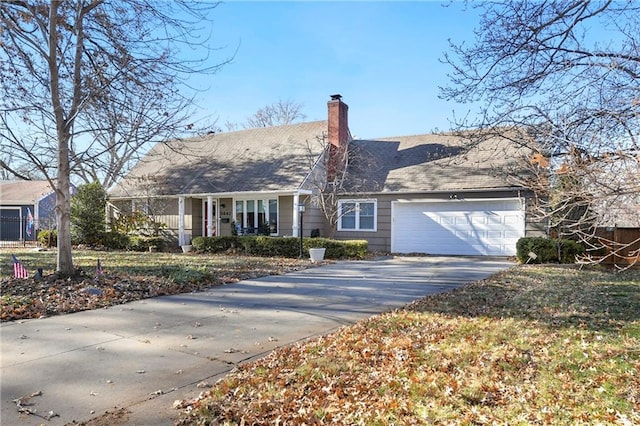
x: 544, y: 248
x: 338, y: 249
x: 216, y: 244
x: 356, y: 249
x: 548, y: 250
x: 87, y: 214
x: 271, y: 246
x: 282, y: 247
x: 144, y: 243
x: 569, y: 250
x: 137, y: 223
x: 115, y: 240
x: 48, y: 237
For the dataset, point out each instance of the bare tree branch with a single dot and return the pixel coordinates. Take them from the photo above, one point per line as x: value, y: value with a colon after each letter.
x: 276, y: 114
x: 88, y: 84
x: 536, y: 71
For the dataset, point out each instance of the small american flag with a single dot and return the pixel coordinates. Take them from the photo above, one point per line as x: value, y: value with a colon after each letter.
x: 19, y: 271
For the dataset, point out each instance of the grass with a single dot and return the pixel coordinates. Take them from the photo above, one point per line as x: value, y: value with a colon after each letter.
x: 533, y: 345
x: 126, y: 276
x: 140, y: 264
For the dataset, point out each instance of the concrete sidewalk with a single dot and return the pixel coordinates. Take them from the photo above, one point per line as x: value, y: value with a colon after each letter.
x: 143, y: 355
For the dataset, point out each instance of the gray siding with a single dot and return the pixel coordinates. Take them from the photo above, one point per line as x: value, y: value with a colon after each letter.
x: 285, y: 216
x: 534, y: 227
x: 314, y: 219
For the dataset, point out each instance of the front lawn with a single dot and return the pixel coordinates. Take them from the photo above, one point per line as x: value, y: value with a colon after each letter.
x: 533, y: 345
x: 126, y: 276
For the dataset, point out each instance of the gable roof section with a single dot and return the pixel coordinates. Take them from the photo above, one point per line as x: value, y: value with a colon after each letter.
x: 19, y: 192
x: 262, y: 159
x: 431, y: 163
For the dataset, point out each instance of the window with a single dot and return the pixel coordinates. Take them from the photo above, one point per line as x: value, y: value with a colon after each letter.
x: 357, y: 215
x: 240, y: 223
x: 141, y: 206
x: 273, y: 216
x: 252, y: 216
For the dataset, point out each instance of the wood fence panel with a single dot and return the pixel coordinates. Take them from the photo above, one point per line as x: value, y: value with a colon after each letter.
x: 623, y: 245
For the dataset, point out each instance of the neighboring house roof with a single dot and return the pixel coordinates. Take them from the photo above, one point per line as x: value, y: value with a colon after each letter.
x: 20, y: 192
x: 625, y: 214
x: 431, y: 162
x: 262, y: 159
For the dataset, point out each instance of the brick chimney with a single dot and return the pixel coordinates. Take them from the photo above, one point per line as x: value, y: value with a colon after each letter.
x: 338, y: 121
x: 338, y: 134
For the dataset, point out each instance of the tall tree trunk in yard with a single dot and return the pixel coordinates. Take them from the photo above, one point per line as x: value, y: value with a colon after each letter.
x: 63, y: 213
x: 64, y: 126
x: 63, y: 203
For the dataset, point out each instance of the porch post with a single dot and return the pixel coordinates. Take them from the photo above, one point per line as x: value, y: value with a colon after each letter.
x: 296, y: 215
x: 210, y: 216
x: 181, y: 238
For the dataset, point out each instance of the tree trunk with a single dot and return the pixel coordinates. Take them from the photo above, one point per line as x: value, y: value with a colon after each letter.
x: 63, y: 126
x: 63, y: 210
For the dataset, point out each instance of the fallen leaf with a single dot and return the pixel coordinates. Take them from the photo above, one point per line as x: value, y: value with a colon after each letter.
x: 51, y: 414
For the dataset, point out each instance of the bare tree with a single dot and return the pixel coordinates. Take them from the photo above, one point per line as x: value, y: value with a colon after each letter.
x: 563, y: 78
x: 338, y: 173
x: 70, y: 74
x: 12, y: 168
x: 122, y: 130
x: 276, y: 114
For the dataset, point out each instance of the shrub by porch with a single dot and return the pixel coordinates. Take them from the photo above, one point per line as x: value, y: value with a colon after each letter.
x: 281, y: 246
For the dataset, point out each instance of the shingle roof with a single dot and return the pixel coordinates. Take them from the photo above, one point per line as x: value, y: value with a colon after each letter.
x: 23, y: 191
x: 431, y: 162
x: 267, y: 159
x: 279, y: 158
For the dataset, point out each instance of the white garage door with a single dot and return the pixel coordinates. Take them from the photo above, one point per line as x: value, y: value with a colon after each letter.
x: 486, y: 227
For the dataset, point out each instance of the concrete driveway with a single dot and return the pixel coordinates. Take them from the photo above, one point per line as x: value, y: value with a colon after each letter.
x: 144, y: 355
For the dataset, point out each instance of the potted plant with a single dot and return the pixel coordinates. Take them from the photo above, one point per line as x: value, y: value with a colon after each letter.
x: 316, y: 250
x: 316, y: 254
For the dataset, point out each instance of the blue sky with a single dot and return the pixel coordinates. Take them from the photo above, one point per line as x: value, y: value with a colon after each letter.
x: 381, y: 56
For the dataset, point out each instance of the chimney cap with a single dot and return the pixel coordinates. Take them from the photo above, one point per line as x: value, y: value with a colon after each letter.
x: 336, y: 97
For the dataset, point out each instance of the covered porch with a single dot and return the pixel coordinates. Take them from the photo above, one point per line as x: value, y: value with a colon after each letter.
x: 275, y: 213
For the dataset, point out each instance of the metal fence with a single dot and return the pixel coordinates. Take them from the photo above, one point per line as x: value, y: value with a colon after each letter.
x: 18, y: 232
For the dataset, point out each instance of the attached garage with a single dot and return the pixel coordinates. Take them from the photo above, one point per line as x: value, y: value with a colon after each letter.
x: 457, y: 227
